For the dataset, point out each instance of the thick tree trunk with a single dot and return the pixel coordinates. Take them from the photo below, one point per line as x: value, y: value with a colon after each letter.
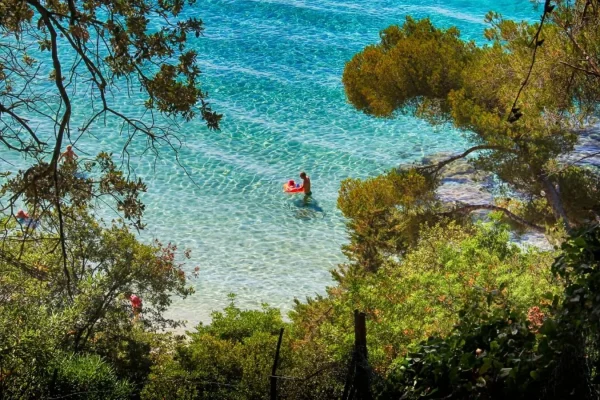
x: 553, y: 197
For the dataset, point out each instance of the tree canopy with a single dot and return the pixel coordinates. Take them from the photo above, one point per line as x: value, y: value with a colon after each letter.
x: 59, y: 59
x: 522, y: 101
x: 69, y: 325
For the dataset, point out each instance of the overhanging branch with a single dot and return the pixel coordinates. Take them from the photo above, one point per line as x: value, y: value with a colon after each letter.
x: 435, y: 168
x: 467, y: 209
x: 585, y: 71
x: 64, y: 123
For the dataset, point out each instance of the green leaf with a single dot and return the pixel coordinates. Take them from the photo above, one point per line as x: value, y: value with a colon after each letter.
x: 487, y: 364
x: 534, y: 374
x: 494, y: 346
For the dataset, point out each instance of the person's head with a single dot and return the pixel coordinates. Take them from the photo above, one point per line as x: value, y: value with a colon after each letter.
x: 69, y: 147
x: 302, y: 174
x: 291, y: 182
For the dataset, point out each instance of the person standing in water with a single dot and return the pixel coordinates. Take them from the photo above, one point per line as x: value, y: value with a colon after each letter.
x: 69, y: 155
x: 306, y: 186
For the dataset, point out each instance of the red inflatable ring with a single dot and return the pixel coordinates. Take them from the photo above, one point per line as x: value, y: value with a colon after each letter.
x: 290, y: 187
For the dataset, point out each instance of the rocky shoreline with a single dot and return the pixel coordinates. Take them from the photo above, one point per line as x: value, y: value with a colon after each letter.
x: 461, y: 183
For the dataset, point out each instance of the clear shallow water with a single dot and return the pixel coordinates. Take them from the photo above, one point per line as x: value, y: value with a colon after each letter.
x: 273, y: 68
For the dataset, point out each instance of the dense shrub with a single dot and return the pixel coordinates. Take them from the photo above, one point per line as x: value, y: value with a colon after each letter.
x: 86, y: 377
x: 229, y: 359
x: 497, y: 353
x: 489, y: 355
x: 421, y: 294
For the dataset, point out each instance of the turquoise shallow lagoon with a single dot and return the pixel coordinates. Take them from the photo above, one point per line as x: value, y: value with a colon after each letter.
x: 273, y: 68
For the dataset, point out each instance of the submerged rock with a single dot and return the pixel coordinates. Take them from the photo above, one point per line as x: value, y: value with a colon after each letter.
x: 461, y: 182
x: 587, y: 150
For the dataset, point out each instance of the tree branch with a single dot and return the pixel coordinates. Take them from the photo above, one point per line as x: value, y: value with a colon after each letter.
x: 588, y: 72
x: 569, y: 33
x: 23, y: 123
x: 435, y: 168
x: 469, y: 208
x: 514, y: 113
x: 58, y: 79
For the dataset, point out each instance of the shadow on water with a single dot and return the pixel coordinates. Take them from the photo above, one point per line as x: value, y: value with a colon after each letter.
x: 305, y: 208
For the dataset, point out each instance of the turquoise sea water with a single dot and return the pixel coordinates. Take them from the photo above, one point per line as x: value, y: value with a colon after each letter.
x: 273, y: 68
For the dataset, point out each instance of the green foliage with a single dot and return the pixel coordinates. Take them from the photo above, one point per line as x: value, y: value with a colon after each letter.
x: 33, y: 364
x: 128, y: 48
x: 232, y: 359
x: 104, y: 264
x: 578, y: 266
x: 573, y: 336
x: 495, y: 353
x: 228, y: 359
x: 94, y: 316
x: 579, y: 187
x: 86, y: 377
x: 384, y: 214
x: 421, y: 294
x: 387, y: 77
x: 489, y: 355
x: 438, y: 284
x: 29, y: 337
x: 236, y: 325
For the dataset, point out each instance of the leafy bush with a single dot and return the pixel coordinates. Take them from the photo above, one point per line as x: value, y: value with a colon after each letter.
x: 421, y: 294
x: 489, y: 355
x: 45, y: 312
x: 497, y: 353
x: 384, y: 215
x: 86, y: 377
x: 229, y: 359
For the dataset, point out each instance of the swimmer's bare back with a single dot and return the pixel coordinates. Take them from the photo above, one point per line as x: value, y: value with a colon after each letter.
x: 306, y: 185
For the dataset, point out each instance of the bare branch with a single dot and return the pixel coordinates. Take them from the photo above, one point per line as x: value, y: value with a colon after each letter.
x: 435, y: 168
x: 23, y: 123
x: 62, y: 129
x: 467, y: 209
x: 585, y: 71
x: 514, y: 113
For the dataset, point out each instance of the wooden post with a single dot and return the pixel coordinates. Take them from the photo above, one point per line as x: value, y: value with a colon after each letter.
x: 358, y: 381
x: 349, y: 378
x: 274, y: 370
x: 362, y: 379
x: 1, y: 378
x: 360, y: 333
